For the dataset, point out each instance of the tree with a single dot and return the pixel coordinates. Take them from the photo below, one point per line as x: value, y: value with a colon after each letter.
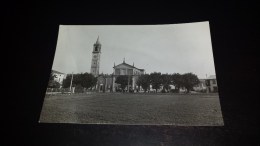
x: 189, y: 81
x: 166, y: 81
x: 52, y: 83
x: 123, y: 81
x: 85, y: 80
x: 88, y: 80
x: 177, y: 81
x: 144, y: 81
x: 52, y: 76
x: 156, y: 80
x: 66, y: 81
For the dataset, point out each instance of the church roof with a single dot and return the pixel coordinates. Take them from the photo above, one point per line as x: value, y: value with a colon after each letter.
x: 131, y: 66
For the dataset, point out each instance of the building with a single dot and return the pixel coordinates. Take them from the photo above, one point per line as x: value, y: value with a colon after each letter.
x: 58, y: 76
x: 126, y: 69
x: 211, y: 83
x: 95, y: 62
x: 106, y: 82
x: 201, y: 87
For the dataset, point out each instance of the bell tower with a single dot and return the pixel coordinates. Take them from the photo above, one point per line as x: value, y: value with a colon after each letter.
x: 95, y: 58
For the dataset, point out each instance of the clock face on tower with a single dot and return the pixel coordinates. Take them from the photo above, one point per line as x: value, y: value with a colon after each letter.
x: 95, y: 56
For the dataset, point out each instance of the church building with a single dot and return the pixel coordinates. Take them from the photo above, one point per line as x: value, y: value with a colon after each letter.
x: 129, y: 70
x: 106, y: 83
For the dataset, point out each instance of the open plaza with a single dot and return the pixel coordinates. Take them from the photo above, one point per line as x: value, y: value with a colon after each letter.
x: 137, y: 109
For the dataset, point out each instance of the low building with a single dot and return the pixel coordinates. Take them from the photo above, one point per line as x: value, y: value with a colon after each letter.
x: 211, y: 83
x: 104, y: 83
x: 58, y: 76
x: 201, y: 87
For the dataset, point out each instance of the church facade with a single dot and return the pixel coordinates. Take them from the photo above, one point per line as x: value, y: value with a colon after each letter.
x: 107, y: 83
x: 128, y: 70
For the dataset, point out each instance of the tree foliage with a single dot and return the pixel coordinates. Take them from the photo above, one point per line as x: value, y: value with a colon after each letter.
x: 177, y: 80
x: 144, y: 81
x: 52, y: 76
x: 189, y: 80
x: 89, y: 80
x: 66, y: 81
x: 123, y: 81
x: 166, y: 81
x: 52, y: 83
x: 85, y: 80
x: 156, y: 80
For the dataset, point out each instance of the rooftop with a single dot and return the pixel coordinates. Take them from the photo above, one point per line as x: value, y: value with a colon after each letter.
x: 212, y: 77
x: 57, y: 72
x: 128, y: 65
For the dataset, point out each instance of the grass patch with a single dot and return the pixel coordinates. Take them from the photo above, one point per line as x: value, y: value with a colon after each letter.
x: 108, y: 108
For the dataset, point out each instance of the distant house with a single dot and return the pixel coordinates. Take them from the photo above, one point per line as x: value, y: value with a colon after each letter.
x: 201, y: 87
x: 59, y: 77
x: 211, y: 83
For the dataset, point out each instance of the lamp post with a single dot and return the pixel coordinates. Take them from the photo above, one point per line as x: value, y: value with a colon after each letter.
x: 128, y: 83
x: 71, y: 81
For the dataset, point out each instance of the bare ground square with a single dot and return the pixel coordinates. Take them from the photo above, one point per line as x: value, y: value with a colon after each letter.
x: 147, y: 109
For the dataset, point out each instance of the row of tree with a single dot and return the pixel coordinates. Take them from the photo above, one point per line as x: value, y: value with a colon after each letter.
x: 156, y: 79
x: 84, y: 80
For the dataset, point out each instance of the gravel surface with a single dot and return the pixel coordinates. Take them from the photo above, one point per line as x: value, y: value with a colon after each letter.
x: 108, y: 108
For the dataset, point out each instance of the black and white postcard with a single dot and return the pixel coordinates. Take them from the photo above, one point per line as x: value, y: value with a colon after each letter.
x: 133, y: 75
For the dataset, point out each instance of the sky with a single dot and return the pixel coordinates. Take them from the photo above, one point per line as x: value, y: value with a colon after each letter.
x: 169, y: 48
